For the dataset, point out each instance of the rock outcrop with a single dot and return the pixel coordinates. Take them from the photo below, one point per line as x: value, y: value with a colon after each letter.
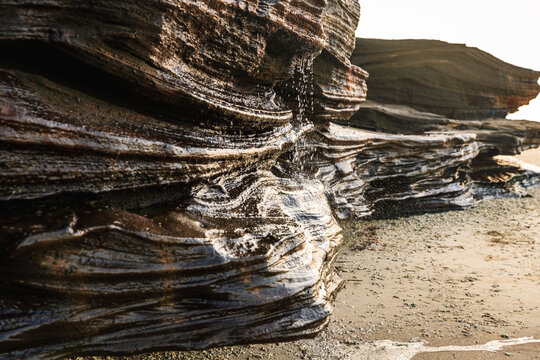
x: 419, y: 86
x: 426, y: 88
x: 150, y: 188
x: 369, y: 173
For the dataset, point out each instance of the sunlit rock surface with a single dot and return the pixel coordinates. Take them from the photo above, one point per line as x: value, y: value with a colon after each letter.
x: 502, y: 176
x: 151, y: 193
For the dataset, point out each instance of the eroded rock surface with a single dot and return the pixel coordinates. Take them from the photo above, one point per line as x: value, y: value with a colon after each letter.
x: 494, y: 135
x: 453, y: 80
x: 255, y: 268
x: 151, y: 193
x: 369, y: 173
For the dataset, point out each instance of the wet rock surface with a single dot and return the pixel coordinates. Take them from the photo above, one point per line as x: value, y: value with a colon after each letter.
x: 116, y: 282
x: 151, y: 192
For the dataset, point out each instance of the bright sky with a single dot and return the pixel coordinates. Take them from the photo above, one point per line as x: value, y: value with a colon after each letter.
x: 508, y: 29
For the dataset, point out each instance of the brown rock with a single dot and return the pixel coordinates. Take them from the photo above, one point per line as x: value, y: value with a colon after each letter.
x: 148, y: 198
x: 453, y: 80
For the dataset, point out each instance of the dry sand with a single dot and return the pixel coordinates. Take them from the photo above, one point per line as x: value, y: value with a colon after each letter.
x: 455, y: 285
x: 530, y: 156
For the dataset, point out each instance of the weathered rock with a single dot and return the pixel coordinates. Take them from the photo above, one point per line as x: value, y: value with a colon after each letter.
x: 502, y: 176
x: 369, y: 173
x: 220, y: 57
x: 418, y: 87
x: 150, y: 191
x: 90, y: 145
x: 339, y: 89
x: 169, y: 169
x: 494, y: 136
x: 256, y: 267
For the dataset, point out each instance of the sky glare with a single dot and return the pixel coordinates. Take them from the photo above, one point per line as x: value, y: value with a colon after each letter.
x: 508, y: 29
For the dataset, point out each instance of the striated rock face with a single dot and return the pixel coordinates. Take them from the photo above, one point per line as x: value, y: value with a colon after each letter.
x: 369, y: 173
x: 150, y: 188
x: 419, y: 86
x: 255, y: 268
x: 501, y: 176
x: 494, y: 136
x: 221, y: 56
x: 424, y: 87
x: 393, y: 157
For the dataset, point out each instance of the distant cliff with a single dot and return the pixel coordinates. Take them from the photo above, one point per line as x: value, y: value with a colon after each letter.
x: 453, y: 80
x: 432, y: 127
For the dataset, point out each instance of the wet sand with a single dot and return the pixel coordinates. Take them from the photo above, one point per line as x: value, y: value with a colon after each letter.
x: 456, y: 278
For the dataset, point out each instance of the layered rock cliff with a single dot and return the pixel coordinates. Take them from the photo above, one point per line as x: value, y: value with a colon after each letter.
x: 150, y: 191
x: 370, y: 173
x: 452, y: 80
x: 426, y: 89
x: 171, y: 170
x: 420, y: 86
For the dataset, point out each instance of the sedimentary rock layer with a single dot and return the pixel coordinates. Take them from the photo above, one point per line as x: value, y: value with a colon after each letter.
x: 151, y: 196
x: 453, y: 80
x: 494, y: 136
x: 221, y: 56
x: 256, y: 267
x: 169, y: 169
x: 502, y: 176
x: 368, y: 173
x: 421, y: 87
x: 339, y: 90
x: 93, y: 146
